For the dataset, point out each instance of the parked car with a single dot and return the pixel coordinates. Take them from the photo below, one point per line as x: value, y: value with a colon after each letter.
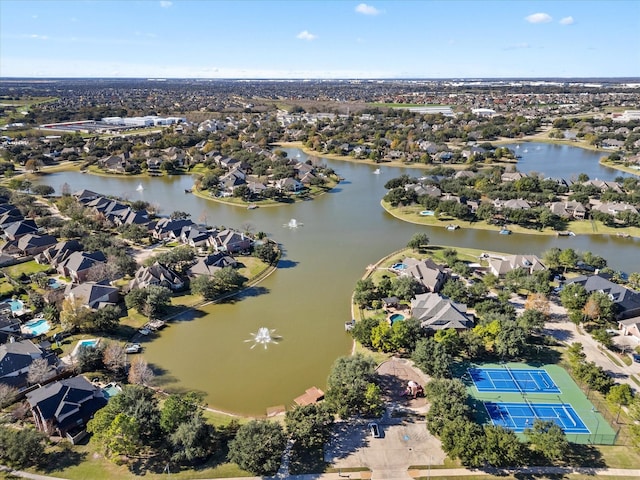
x: 133, y: 348
x: 611, y: 332
x: 636, y: 357
x: 374, y: 429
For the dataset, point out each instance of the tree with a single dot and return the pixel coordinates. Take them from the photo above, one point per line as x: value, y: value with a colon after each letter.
x: 150, y: 300
x: 21, y: 448
x: 106, y: 319
x: 568, y: 258
x: 258, y: 447
x: 347, y: 384
x: 7, y: 394
x: 116, y: 432
x: 114, y: 357
x: 74, y: 314
x: 362, y: 330
x: 418, y: 241
x: 599, y: 307
x: 205, y: 286
x: 309, y: 425
x: 179, y: 408
x: 39, y: 371
x: 227, y: 279
x: 502, y: 448
x: 406, y: 287
x: 432, y: 358
x: 267, y: 252
x: 193, y: 440
x: 548, y: 439
x: 139, y: 372
x: 89, y: 358
x: 573, y: 296
x: 620, y: 394
x: 464, y: 439
x: 43, y: 190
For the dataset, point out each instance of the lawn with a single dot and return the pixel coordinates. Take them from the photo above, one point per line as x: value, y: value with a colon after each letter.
x: 26, y: 268
x: 579, y: 227
x: 6, y: 288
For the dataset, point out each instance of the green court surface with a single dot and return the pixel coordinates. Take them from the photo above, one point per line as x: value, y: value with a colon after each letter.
x: 600, y: 432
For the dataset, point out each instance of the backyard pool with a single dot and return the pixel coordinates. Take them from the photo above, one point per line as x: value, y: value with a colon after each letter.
x: 36, y: 327
x: 396, y: 317
x: 90, y: 343
x: 398, y: 266
x: 111, y: 390
x: 54, y: 284
x: 16, y: 305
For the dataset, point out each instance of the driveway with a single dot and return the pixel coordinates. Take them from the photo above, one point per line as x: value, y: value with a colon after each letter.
x: 405, y: 440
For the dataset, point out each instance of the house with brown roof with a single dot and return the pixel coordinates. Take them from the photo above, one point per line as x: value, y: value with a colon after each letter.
x: 439, y: 313
x: 500, y: 266
x: 431, y: 275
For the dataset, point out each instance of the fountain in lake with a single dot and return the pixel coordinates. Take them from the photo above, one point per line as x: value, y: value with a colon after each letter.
x: 293, y: 223
x: 263, y: 336
x: 140, y: 188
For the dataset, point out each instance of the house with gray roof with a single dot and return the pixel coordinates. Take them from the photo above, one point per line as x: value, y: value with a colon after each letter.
x: 94, y: 295
x: 15, y: 230
x: 500, y: 266
x: 29, y: 244
x: 65, y: 406
x: 627, y: 301
x: 211, y: 264
x: 230, y: 241
x: 78, y: 264
x: 569, y: 209
x: 17, y: 357
x: 439, y: 313
x: 431, y: 275
x: 156, y: 274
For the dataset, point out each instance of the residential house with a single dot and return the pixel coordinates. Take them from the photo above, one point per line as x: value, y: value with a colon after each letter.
x: 211, y: 263
x: 58, y: 253
x: 500, y: 266
x: 604, y: 186
x: 230, y: 241
x: 78, y: 264
x: 439, y: 313
x: 64, y: 407
x: 630, y: 326
x: 569, y: 209
x: 614, y: 208
x: 288, y: 185
x: 29, y: 244
x: 168, y: 227
x: 431, y: 275
x: 156, y: 274
x: 196, y: 236
x: 94, y: 295
x: 512, y: 176
x: 17, y: 357
x: 627, y: 301
x: 15, y: 230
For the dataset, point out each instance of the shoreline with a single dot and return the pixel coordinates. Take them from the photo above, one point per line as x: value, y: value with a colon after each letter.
x: 632, y: 232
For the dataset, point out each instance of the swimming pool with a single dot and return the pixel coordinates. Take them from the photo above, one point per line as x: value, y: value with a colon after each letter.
x: 16, y: 305
x: 36, y: 327
x: 396, y: 317
x: 54, y: 284
x: 90, y: 343
x: 427, y: 213
x: 111, y: 390
x: 398, y: 266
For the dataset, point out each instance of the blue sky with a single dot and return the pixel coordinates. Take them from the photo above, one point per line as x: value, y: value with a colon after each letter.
x: 319, y: 39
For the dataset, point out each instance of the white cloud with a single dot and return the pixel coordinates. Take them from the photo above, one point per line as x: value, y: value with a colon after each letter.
x: 305, y: 35
x: 538, y: 18
x: 566, y: 21
x: 38, y: 37
x: 165, y: 4
x: 365, y: 9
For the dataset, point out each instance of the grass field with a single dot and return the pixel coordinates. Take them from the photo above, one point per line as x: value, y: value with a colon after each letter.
x: 26, y: 268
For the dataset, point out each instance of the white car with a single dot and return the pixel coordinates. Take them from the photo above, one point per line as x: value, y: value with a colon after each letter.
x: 133, y: 348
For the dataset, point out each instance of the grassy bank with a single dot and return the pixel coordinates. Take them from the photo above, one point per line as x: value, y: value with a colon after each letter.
x: 411, y: 214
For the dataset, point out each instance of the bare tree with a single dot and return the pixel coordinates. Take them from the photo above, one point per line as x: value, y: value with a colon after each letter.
x: 7, y: 394
x: 139, y: 372
x: 114, y: 357
x: 39, y: 371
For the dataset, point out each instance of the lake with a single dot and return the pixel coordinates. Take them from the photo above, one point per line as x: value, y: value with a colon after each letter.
x: 307, y: 301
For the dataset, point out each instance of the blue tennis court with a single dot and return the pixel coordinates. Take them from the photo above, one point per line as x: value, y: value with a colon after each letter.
x: 519, y: 416
x: 509, y: 380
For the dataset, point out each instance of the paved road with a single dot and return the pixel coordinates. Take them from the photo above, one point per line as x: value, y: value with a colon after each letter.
x: 567, y: 332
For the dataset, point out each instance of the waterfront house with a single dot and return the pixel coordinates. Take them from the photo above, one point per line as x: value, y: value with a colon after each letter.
x: 500, y: 266
x: 64, y: 407
x: 230, y: 241
x: 428, y: 273
x: 156, y: 274
x: 569, y: 209
x: 211, y: 263
x: 94, y: 295
x: 439, y: 313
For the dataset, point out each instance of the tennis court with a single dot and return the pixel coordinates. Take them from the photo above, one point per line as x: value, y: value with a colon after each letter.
x: 512, y: 380
x: 519, y: 416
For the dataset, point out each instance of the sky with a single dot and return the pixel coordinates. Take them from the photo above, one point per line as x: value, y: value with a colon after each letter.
x: 319, y: 39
